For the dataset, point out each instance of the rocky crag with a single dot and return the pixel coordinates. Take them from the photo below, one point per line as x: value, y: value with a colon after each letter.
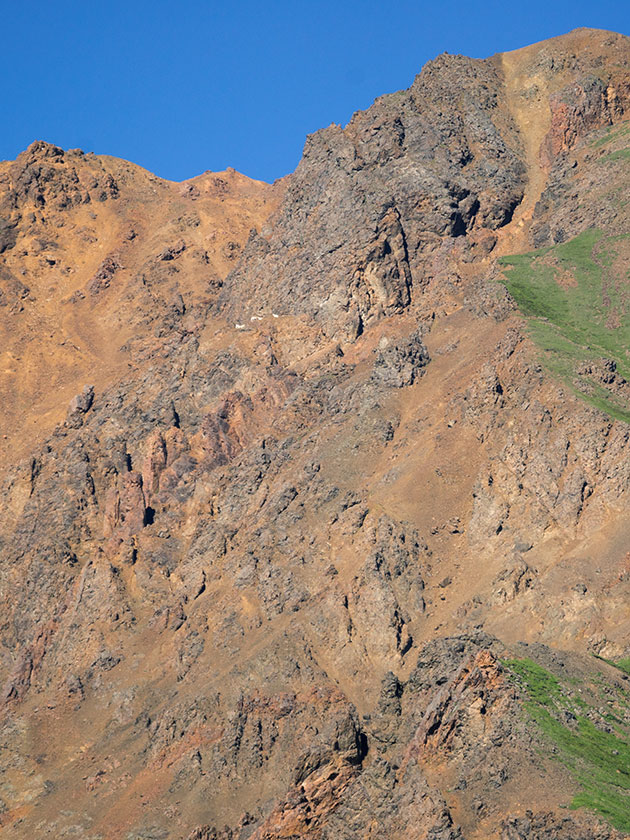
x: 315, y: 496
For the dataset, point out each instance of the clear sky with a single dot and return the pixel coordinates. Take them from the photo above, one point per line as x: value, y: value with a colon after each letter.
x: 181, y: 87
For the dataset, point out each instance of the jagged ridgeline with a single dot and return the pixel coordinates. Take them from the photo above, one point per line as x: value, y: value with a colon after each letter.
x: 315, y: 495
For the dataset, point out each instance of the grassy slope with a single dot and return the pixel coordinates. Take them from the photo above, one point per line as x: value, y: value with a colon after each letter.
x: 592, y: 739
x: 578, y: 311
x: 568, y: 293
x: 611, y: 136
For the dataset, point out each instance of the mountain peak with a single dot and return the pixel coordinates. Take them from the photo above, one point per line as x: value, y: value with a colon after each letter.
x: 315, y: 498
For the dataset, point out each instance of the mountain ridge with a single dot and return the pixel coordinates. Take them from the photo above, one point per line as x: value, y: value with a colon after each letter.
x: 312, y: 535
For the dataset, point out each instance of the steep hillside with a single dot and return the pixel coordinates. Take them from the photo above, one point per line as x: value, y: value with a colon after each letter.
x: 96, y: 255
x: 320, y: 530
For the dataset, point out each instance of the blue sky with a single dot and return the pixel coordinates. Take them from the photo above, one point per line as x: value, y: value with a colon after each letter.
x: 181, y: 87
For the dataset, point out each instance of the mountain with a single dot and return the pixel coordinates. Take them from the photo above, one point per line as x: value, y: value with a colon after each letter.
x: 315, y: 495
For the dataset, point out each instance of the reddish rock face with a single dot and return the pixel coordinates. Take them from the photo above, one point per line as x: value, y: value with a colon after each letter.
x: 125, y: 510
x: 582, y: 107
x: 263, y: 576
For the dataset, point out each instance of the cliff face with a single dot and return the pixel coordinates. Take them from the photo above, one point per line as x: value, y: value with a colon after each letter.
x: 297, y: 477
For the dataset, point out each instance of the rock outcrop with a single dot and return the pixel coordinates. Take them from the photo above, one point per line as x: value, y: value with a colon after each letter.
x: 268, y: 574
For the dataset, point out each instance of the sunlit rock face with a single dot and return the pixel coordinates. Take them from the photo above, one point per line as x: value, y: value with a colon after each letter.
x: 315, y: 494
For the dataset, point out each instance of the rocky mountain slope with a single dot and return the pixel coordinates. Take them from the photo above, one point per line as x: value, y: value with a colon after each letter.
x: 315, y: 496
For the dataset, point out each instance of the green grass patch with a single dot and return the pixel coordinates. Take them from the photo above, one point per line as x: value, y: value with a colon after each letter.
x: 620, y: 154
x: 578, y: 310
x: 598, y: 760
x: 620, y: 664
x: 543, y: 688
x: 610, y: 135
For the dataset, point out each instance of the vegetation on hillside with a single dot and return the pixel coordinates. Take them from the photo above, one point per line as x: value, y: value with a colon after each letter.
x: 576, y: 297
x: 586, y: 728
